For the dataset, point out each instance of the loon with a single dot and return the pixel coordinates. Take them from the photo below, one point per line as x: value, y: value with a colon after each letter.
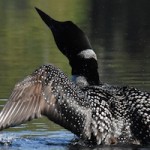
x: 49, y: 92
x: 130, y: 105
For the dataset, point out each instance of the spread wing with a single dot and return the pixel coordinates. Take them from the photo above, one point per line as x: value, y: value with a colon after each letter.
x: 25, y: 103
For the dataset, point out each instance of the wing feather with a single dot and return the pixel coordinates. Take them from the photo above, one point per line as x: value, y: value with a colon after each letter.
x: 25, y: 103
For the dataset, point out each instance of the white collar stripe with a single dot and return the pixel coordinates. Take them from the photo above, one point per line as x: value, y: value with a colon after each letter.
x: 88, y: 53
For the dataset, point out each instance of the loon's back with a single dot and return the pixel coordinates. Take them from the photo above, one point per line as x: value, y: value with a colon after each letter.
x: 138, y: 106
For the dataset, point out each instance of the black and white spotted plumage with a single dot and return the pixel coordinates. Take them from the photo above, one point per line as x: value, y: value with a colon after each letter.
x: 49, y: 92
x: 130, y: 110
x: 138, y: 106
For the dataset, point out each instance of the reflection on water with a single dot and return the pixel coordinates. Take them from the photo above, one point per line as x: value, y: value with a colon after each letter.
x: 119, y: 32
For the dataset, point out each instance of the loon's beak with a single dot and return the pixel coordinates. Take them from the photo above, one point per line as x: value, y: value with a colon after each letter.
x: 51, y: 23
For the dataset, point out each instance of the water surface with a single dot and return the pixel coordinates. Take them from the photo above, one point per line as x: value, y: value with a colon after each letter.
x: 119, y: 32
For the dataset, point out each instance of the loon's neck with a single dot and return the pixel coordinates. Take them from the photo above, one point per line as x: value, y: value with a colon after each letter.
x: 84, y: 65
x: 75, y: 45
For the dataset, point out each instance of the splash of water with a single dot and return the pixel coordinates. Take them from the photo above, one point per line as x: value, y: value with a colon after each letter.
x: 7, y: 139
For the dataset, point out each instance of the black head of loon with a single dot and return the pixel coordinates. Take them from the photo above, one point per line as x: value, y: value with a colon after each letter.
x: 48, y: 91
x: 75, y: 45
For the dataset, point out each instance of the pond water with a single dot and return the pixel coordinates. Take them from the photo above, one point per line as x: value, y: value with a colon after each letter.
x: 119, y: 33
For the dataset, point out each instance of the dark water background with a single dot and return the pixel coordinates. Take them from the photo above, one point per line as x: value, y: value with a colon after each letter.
x: 119, y: 32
